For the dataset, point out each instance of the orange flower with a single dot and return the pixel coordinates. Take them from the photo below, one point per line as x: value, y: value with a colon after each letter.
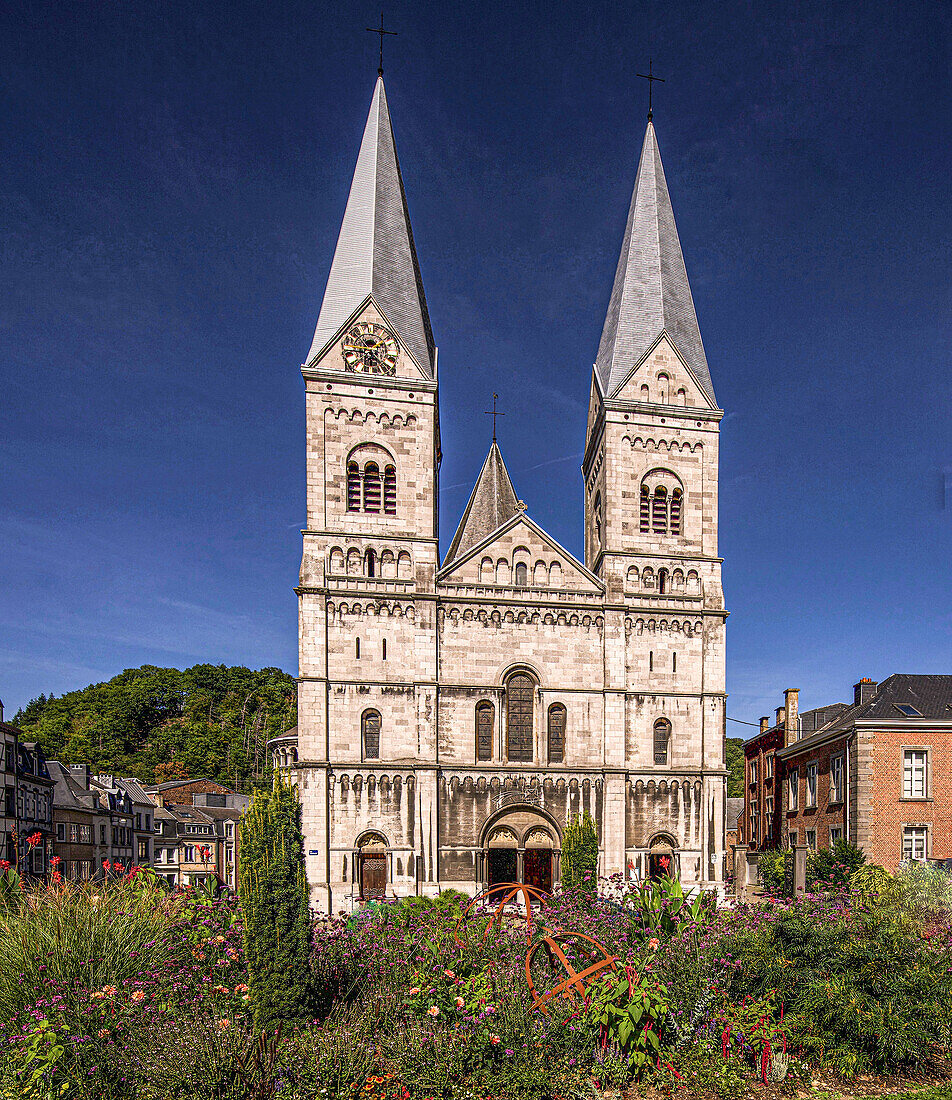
x: 433, y: 1010
x: 138, y: 995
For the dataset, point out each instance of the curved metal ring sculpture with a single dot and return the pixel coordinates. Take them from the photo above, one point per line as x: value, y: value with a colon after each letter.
x: 505, y: 892
x: 576, y: 982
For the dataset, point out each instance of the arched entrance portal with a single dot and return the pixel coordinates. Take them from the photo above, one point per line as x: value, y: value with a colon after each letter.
x: 522, y: 845
x: 372, y: 866
x: 662, y: 858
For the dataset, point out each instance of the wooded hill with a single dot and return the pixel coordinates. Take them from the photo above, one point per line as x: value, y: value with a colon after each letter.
x: 163, y: 723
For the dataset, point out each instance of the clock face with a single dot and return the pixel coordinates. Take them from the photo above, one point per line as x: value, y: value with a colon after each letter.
x: 370, y: 349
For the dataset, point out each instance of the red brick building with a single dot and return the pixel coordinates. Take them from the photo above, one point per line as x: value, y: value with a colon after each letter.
x: 879, y: 774
x: 762, y: 824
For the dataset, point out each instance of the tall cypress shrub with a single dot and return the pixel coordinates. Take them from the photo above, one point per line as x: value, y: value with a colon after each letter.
x: 580, y: 854
x: 276, y: 918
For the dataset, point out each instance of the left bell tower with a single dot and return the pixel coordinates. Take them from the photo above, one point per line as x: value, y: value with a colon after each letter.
x: 367, y: 627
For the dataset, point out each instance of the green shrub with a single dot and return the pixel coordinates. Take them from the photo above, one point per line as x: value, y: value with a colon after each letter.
x: 274, y: 899
x: 771, y: 867
x: 833, y: 868
x: 580, y: 854
x: 861, y: 991
x: 81, y: 937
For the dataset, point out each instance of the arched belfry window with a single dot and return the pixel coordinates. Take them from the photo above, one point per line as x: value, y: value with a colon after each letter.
x: 370, y: 734
x: 556, y: 734
x: 353, y: 487
x: 662, y: 740
x: 371, y: 487
x: 663, y: 581
x: 675, y: 518
x: 597, y: 517
x: 520, y: 695
x: 367, y: 489
x: 661, y: 503
x: 521, y: 574
x: 390, y: 490
x: 485, y: 720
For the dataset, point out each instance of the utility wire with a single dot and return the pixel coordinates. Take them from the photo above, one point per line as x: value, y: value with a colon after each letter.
x: 741, y: 722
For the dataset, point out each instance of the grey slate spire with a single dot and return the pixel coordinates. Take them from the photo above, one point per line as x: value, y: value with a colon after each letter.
x: 493, y: 503
x: 375, y: 253
x: 651, y: 293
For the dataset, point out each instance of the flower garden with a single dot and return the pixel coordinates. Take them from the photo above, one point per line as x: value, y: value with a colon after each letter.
x: 122, y: 990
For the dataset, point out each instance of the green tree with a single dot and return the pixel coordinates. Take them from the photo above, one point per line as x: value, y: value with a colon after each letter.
x: 580, y: 854
x: 276, y: 919
x: 734, y: 759
x: 211, y: 720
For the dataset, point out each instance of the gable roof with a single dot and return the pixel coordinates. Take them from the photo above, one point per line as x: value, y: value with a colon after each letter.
x: 525, y: 519
x: 375, y: 255
x: 651, y: 294
x: 492, y: 503
x: 930, y: 695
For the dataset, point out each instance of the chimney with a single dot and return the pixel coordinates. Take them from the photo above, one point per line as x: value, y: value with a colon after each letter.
x: 864, y: 691
x: 764, y: 724
x: 80, y: 772
x: 1, y: 710
x: 791, y: 716
x: 779, y: 720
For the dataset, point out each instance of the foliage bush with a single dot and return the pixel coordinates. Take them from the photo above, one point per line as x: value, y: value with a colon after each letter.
x: 275, y: 909
x: 859, y: 990
x: 579, y: 859
x: 833, y: 868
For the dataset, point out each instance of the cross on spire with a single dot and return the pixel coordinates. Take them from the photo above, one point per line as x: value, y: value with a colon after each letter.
x: 649, y: 76
x: 379, y: 30
x: 494, y: 414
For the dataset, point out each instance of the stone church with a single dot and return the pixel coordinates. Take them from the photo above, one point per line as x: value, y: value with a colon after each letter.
x: 455, y: 715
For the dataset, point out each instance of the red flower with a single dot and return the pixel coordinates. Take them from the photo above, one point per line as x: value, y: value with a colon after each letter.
x: 4, y: 865
x: 55, y: 861
x: 106, y: 865
x: 57, y: 877
x: 34, y: 838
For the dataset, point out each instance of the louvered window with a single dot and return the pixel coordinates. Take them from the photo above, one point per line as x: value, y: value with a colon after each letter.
x: 353, y: 487
x: 485, y: 714
x: 371, y: 487
x: 676, y: 500
x: 659, y: 511
x: 662, y: 740
x: 645, y: 509
x: 556, y: 734
x: 519, y: 700
x: 390, y: 490
x: 370, y: 734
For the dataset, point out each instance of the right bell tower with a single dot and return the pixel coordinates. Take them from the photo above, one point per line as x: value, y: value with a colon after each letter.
x: 651, y: 504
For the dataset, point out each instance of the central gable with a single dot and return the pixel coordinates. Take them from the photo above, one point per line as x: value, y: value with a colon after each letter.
x: 662, y: 378
x: 521, y: 556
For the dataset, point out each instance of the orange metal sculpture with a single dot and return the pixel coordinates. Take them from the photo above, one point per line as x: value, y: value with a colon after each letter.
x: 576, y: 982
x: 506, y: 893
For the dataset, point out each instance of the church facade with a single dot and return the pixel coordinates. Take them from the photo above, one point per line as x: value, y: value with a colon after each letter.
x: 455, y: 715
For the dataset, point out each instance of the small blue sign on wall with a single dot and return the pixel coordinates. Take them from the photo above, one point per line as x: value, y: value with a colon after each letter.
x: 314, y: 852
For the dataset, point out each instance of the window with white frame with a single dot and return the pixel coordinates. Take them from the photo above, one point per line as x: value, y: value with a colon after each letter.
x: 836, y: 779
x: 836, y: 835
x: 811, y: 785
x: 793, y: 786
x: 915, y: 840
x: 811, y: 839
x: 768, y: 767
x: 768, y: 806
x: 914, y: 773
x: 753, y: 772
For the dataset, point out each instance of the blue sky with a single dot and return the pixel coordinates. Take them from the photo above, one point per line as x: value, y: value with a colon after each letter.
x: 172, y: 184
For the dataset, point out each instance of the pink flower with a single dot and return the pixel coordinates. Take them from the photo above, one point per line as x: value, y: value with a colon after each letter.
x: 414, y: 991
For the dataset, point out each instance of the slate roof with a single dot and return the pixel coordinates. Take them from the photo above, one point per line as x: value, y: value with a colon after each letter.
x: 493, y: 502
x: 930, y: 695
x: 735, y: 807
x: 810, y: 721
x: 651, y: 294
x: 68, y: 794
x: 375, y: 254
